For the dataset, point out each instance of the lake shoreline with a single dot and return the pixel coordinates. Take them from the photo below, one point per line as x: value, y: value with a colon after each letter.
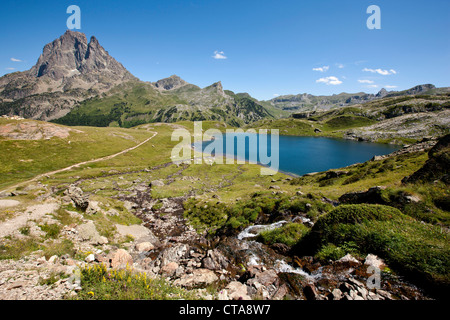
x: 302, y: 155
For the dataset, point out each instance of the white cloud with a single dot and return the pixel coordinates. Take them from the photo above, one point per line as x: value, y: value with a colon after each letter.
x: 390, y: 87
x: 15, y: 60
x: 219, y: 55
x: 11, y: 69
x: 340, y: 65
x: 365, y: 81
x: 276, y: 95
x: 381, y: 71
x: 372, y: 86
x: 322, y: 69
x: 329, y: 81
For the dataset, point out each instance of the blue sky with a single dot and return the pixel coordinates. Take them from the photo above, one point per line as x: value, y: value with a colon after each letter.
x: 267, y: 48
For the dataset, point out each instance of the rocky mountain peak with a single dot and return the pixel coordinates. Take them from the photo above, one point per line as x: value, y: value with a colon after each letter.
x: 420, y: 88
x: 71, y: 55
x: 61, y: 56
x: 173, y: 82
x: 382, y: 93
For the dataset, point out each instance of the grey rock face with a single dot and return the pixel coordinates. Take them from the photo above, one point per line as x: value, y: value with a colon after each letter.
x: 71, y: 55
x: 173, y: 82
x: 68, y: 71
x: 61, y: 56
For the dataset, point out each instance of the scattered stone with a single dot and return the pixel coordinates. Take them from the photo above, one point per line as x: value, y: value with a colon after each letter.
x: 375, y: 261
x: 144, y: 246
x: 120, y: 259
x: 130, y: 205
x: 384, y: 294
x: 412, y: 199
x: 88, y: 232
x: 349, y: 258
x: 237, y: 291
x: 275, y: 187
x: 77, y: 196
x: 214, y: 260
x: 93, y: 208
x: 157, y: 183
x: 199, y: 278
x: 17, y: 284
x: 137, y: 232
x: 336, y: 294
x: 169, y: 269
x: 90, y: 258
x: 112, y: 213
x: 5, y: 194
x: 310, y: 292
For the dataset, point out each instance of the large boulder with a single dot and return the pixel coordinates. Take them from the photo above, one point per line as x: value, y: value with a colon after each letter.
x: 373, y: 196
x: 88, y: 232
x: 237, y: 291
x: 197, y: 279
x: 437, y: 167
x: 215, y: 260
x: 93, y: 208
x: 120, y: 259
x: 77, y: 196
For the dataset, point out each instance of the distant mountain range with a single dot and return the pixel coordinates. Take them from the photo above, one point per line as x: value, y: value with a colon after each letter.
x: 76, y: 82
x: 308, y: 102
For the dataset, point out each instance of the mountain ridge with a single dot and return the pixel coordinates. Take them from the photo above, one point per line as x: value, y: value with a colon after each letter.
x: 77, y: 82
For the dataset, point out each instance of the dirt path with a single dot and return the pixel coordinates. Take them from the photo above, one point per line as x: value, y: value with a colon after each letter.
x: 83, y: 163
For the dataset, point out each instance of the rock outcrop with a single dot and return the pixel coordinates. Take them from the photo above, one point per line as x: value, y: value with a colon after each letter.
x: 437, y: 167
x: 69, y: 70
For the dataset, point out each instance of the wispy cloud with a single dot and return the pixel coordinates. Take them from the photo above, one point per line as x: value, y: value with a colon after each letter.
x: 381, y: 71
x: 10, y: 69
x: 340, y: 65
x: 276, y: 95
x: 322, y: 69
x: 334, y: 81
x: 365, y: 81
x: 15, y: 60
x: 390, y: 87
x: 220, y: 55
x: 372, y: 86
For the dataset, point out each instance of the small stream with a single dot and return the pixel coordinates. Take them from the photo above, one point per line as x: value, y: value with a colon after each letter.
x: 258, y: 253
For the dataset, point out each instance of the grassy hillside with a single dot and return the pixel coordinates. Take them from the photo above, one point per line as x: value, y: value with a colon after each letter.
x: 398, y: 120
x: 135, y: 103
x: 224, y: 199
x: 23, y: 159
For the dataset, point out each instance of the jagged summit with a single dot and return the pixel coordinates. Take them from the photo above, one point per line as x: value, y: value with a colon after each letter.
x: 69, y: 70
x: 71, y: 55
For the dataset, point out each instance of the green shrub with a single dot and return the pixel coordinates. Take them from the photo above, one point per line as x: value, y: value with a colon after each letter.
x: 51, y: 230
x: 419, y: 251
x: 59, y: 248
x: 263, y: 207
x: 17, y: 248
x: 330, y: 252
x: 288, y: 234
x: 358, y: 213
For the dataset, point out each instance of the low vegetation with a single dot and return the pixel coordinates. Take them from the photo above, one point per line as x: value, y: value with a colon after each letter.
x: 99, y: 283
x: 417, y: 250
x: 289, y: 234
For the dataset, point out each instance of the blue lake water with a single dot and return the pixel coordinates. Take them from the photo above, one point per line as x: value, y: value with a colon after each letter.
x: 300, y: 155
